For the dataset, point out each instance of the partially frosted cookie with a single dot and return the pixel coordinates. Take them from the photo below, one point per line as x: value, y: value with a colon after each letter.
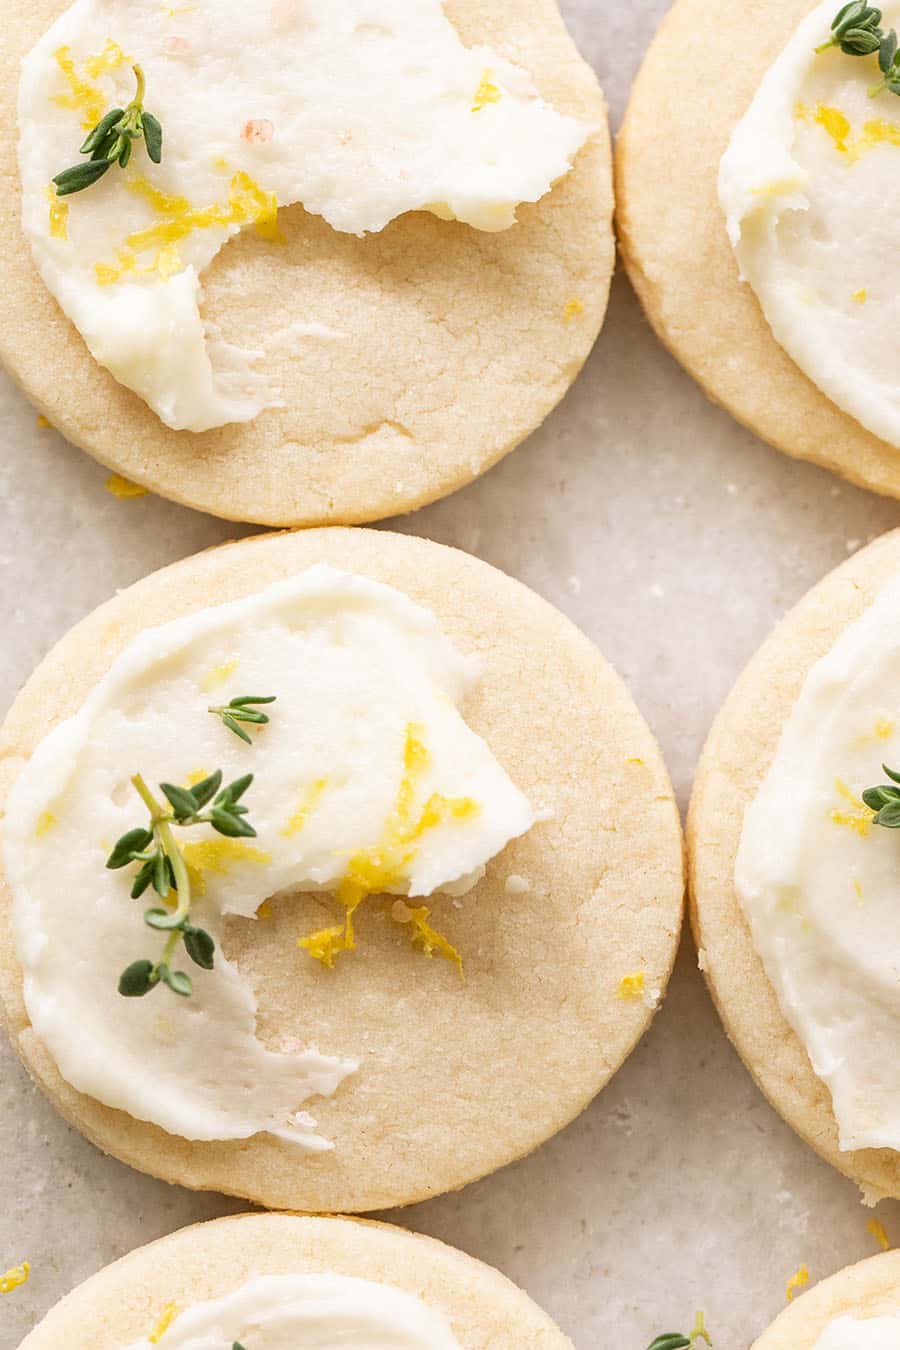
x: 376, y: 879
x: 786, y: 163
x: 857, y: 1309
x: 268, y: 1282
x: 794, y: 861
x: 334, y: 297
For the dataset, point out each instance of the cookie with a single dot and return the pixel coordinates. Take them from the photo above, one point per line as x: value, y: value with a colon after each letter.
x: 568, y: 940
x: 410, y: 361
x: 687, y: 100
x: 740, y: 749
x: 124, y: 1303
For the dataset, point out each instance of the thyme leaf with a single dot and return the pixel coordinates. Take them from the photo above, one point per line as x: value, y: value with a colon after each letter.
x: 244, y: 709
x: 162, y: 866
x: 885, y: 801
x: 112, y: 142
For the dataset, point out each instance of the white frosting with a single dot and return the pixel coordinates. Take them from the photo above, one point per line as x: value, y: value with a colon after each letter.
x: 851, y: 1333
x: 820, y: 884
x: 308, y: 1312
x: 803, y: 185
x: 356, y: 667
x: 361, y: 111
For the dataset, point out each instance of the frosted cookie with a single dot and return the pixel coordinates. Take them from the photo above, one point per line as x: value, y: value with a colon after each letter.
x: 793, y: 867
x: 788, y: 158
x: 263, y: 1016
x: 857, y: 1309
x: 269, y: 1281
x: 305, y: 301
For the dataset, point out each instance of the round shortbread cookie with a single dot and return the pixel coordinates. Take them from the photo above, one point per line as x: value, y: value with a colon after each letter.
x: 737, y: 755
x: 686, y: 102
x: 123, y: 1303
x: 452, y: 345
x: 456, y: 1078
x: 869, y: 1289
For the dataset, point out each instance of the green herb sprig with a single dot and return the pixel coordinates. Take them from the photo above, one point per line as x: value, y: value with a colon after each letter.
x: 163, y: 867
x: 112, y: 142
x: 885, y: 801
x: 675, y: 1340
x: 244, y: 709
x: 856, y: 30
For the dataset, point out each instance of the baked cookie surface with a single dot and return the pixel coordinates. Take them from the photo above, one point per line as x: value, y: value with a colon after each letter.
x: 410, y: 361
x: 869, y: 1289
x: 438, y: 1099
x: 123, y: 1303
x: 737, y: 756
x: 687, y: 100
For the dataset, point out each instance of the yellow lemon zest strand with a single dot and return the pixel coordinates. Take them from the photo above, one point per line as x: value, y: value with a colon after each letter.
x: 247, y: 204
x: 487, y: 92
x: 860, y: 296
x: 14, y: 1278
x: 46, y: 822
x: 877, y: 1229
x: 423, y: 937
x: 170, y: 1312
x: 43, y: 422
x: 217, y: 857
x: 837, y: 126
x: 105, y: 62
x: 123, y: 488
x: 859, y: 819
x: 218, y: 676
x: 631, y: 987
x: 59, y: 214
x: 376, y: 870
x: 884, y: 728
x: 83, y: 96
x: 857, y: 890
x: 797, y: 1281
x: 308, y: 803
x: 196, y: 776
x: 573, y: 309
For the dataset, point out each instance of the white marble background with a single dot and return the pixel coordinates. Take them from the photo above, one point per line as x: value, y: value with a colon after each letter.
x: 674, y: 539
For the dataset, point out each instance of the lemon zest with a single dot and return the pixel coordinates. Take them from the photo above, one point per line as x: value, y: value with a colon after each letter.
x: 217, y: 857
x: 423, y: 937
x: 46, y: 821
x: 59, y: 214
x: 43, y: 422
x: 631, y: 987
x: 169, y: 1313
x: 859, y: 819
x: 798, y: 1280
x: 123, y: 488
x: 218, y: 675
x: 375, y: 870
x: 573, y: 309
x: 14, y: 1278
x: 860, y: 296
x: 487, y: 92
x: 308, y: 803
x: 857, y: 890
x: 196, y: 776
x: 84, y: 96
x: 875, y: 132
x: 877, y: 1229
x: 248, y: 204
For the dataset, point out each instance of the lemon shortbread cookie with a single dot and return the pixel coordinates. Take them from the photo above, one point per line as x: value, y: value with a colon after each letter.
x: 794, y: 864
x: 448, y: 770
x: 270, y: 1281
x: 857, y: 1309
x: 353, y: 359
x: 786, y: 152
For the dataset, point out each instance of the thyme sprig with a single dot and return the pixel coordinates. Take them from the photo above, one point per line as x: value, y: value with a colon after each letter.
x: 244, y: 709
x: 162, y: 867
x: 675, y: 1340
x: 856, y: 29
x: 112, y: 142
x: 885, y: 801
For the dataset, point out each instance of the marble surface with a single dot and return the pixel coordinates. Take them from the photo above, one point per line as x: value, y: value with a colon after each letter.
x: 675, y: 539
